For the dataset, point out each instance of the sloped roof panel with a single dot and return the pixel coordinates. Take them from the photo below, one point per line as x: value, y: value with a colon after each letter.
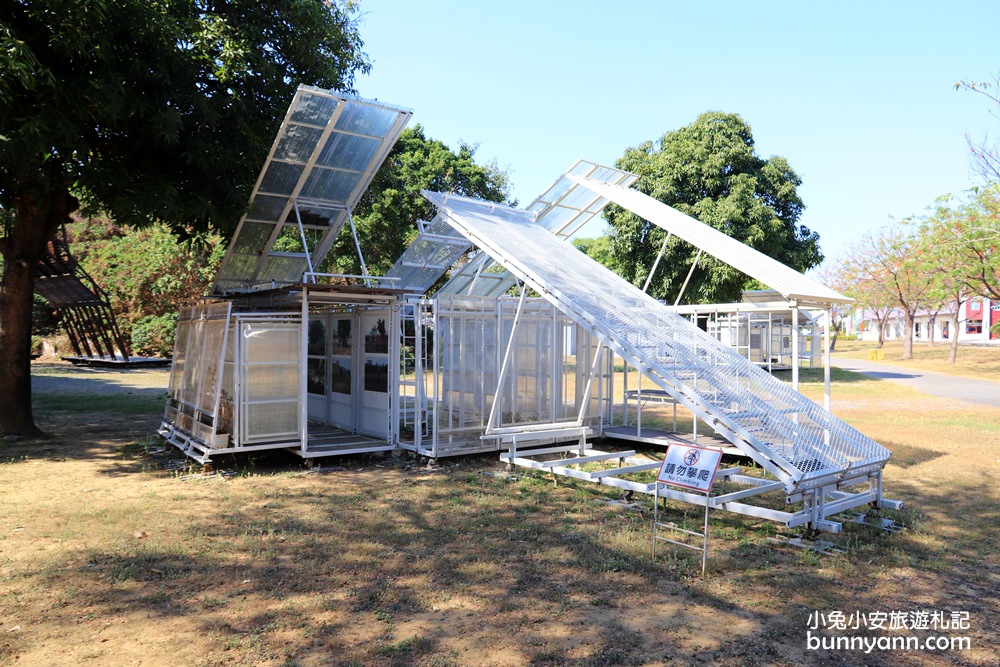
x: 327, y: 151
x: 563, y: 208
x: 789, y: 282
x: 797, y: 440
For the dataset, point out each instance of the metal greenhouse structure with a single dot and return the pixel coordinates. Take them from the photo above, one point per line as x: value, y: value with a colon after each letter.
x: 530, y: 349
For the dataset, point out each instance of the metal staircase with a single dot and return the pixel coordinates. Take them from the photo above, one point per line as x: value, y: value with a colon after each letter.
x: 813, y: 454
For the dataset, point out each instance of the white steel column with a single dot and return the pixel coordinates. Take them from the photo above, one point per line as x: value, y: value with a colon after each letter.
x: 795, y: 345
x: 506, y: 358
x: 304, y: 373
x: 826, y: 358
x: 656, y: 263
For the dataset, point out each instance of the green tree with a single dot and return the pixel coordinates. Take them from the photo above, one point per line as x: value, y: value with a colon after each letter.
x: 711, y: 171
x: 975, y: 229
x: 962, y: 237
x: 145, y: 109
x: 598, y: 249
x: 950, y: 280
x: 892, y: 265
x: 386, y: 217
x: 148, y: 273
x: 859, y: 276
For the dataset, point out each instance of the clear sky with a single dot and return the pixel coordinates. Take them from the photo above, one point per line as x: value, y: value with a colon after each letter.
x: 858, y: 96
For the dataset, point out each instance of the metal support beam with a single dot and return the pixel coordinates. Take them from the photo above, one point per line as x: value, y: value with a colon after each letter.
x: 506, y: 361
x: 357, y: 244
x: 656, y: 263
x: 694, y: 265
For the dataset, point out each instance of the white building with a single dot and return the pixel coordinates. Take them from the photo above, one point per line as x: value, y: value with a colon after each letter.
x: 975, y: 318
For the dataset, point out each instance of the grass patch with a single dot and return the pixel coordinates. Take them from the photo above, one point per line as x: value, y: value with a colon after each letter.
x: 122, y: 404
x: 384, y: 563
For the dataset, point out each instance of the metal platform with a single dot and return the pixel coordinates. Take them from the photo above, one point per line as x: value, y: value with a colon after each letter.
x: 117, y: 362
x: 662, y: 438
x: 325, y: 440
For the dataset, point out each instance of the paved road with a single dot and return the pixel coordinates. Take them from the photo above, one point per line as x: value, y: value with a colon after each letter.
x: 935, y: 384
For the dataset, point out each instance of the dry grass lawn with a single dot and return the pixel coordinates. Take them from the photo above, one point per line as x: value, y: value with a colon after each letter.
x: 106, y: 558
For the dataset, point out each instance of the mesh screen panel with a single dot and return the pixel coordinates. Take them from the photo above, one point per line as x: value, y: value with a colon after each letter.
x: 756, y: 411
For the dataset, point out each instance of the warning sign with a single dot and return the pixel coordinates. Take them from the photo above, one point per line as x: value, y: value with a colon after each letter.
x: 690, y: 467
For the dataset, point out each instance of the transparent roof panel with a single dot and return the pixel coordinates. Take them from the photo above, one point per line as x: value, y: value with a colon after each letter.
x: 267, y: 208
x: 347, y: 151
x: 297, y: 144
x: 431, y: 254
x: 280, y: 178
x: 330, y: 184
x: 322, y: 160
x: 783, y: 430
x: 313, y: 109
x: 563, y: 209
x: 370, y: 121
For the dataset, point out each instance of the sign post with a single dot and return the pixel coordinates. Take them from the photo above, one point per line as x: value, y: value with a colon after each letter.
x: 693, y: 468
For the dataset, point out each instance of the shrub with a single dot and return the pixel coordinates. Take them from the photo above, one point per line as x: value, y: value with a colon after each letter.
x: 153, y: 335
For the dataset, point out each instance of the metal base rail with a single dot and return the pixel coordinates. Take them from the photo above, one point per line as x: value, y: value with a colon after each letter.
x: 818, y: 505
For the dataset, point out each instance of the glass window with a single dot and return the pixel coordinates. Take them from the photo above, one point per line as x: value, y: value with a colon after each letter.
x: 340, y: 376
x: 317, y: 338
x: 377, y: 375
x: 316, y: 377
x: 376, y: 339
x: 341, y: 337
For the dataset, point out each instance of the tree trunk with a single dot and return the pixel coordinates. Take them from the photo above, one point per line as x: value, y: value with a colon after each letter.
x: 931, y: 321
x: 953, y: 335
x: 908, y: 335
x: 36, y: 219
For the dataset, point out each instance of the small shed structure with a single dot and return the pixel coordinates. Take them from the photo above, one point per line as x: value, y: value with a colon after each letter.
x: 518, y: 351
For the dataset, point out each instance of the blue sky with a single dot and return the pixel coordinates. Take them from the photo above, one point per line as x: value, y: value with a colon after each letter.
x: 858, y: 96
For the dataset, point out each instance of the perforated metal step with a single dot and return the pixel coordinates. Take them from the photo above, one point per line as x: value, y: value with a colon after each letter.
x: 797, y: 441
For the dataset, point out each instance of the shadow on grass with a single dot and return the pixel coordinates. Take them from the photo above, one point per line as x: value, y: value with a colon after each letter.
x: 904, y: 455
x: 375, y: 572
x: 372, y: 573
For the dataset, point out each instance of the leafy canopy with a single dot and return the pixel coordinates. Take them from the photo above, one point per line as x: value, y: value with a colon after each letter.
x: 711, y: 171
x: 158, y: 109
x: 146, y: 110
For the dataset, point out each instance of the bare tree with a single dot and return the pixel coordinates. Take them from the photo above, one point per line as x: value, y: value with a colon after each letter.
x: 888, y: 267
x: 985, y: 152
x: 855, y: 277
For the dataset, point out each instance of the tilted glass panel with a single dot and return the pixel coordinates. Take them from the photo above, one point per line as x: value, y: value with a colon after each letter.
x: 780, y: 428
x: 369, y: 120
x: 251, y: 237
x: 322, y: 130
x: 285, y: 270
x: 267, y: 208
x: 313, y: 109
x: 281, y: 178
x: 313, y: 216
x: 346, y: 151
x: 330, y: 184
x: 298, y: 143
